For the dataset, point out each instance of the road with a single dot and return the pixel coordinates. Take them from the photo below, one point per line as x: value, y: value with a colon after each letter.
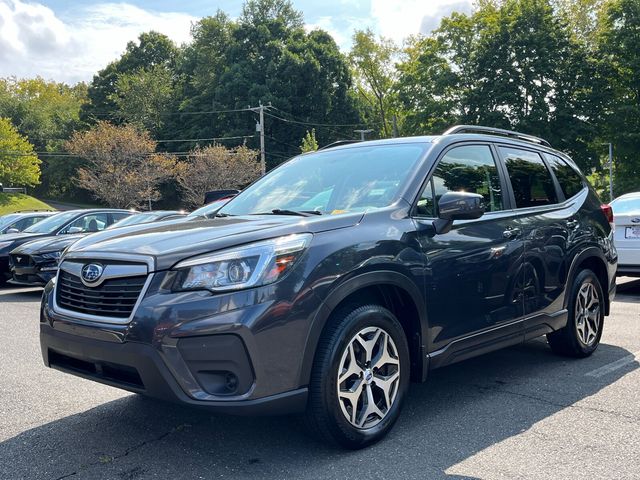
x: 521, y: 413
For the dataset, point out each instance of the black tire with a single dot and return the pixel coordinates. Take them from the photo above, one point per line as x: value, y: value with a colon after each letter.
x: 567, y: 341
x: 325, y: 417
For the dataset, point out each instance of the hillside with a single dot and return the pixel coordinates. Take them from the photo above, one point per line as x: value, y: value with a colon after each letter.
x: 13, y: 202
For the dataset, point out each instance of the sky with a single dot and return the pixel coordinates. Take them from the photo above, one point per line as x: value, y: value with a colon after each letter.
x: 71, y: 40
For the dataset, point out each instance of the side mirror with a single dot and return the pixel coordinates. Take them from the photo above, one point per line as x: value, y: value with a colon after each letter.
x: 74, y: 230
x: 13, y: 230
x: 457, y: 206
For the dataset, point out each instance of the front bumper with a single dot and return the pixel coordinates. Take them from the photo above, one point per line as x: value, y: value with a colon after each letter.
x: 233, y: 352
x: 139, y: 368
x: 32, y: 274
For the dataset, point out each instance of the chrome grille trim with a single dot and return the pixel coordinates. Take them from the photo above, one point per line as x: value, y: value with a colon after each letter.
x: 70, y: 266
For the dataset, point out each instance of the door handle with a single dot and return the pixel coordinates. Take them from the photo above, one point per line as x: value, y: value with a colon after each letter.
x: 572, y: 223
x: 511, y: 233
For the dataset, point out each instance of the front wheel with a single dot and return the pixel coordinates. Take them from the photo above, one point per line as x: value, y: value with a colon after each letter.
x: 360, y: 377
x: 581, y: 336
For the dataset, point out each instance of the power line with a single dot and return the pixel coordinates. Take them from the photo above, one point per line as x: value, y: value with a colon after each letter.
x: 202, y: 112
x: 213, y: 139
x: 311, y: 124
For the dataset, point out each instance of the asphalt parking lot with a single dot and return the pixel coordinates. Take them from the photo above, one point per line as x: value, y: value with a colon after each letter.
x: 518, y: 413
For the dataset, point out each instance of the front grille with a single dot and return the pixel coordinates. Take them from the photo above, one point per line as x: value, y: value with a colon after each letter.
x: 115, y: 297
x: 21, y: 261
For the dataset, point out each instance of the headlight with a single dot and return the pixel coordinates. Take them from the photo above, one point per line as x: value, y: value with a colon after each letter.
x: 248, y: 266
x: 52, y: 255
x: 4, y: 244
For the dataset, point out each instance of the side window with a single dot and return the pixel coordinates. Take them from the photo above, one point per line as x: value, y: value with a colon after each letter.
x: 117, y: 216
x: 470, y: 168
x: 93, y: 222
x: 570, y: 181
x: 530, y: 178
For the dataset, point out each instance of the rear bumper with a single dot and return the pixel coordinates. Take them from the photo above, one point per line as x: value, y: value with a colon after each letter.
x: 140, y: 368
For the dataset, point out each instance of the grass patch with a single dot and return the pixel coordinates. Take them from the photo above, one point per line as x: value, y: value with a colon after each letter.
x: 14, y: 202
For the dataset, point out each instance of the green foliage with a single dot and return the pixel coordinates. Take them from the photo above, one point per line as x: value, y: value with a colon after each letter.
x: 16, y: 202
x: 153, y: 49
x: 144, y: 97
x: 618, y: 47
x: 47, y: 113
x: 510, y: 64
x: 19, y: 165
x: 374, y: 74
x: 309, y: 142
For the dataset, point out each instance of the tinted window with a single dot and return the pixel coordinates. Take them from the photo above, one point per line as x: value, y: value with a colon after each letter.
x: 530, y: 178
x: 52, y: 223
x: 471, y: 168
x: 569, y: 180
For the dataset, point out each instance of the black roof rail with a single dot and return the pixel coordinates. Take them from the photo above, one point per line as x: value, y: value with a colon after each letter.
x: 496, y: 131
x: 339, y: 143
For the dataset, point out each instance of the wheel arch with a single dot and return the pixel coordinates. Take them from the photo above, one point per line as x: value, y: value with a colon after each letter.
x: 593, y: 259
x: 389, y: 289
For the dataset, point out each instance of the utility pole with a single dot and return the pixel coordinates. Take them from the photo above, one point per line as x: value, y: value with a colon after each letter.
x: 363, y: 133
x: 610, y: 170
x: 260, y: 128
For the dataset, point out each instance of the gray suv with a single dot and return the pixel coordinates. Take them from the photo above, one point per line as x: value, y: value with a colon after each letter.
x: 339, y: 277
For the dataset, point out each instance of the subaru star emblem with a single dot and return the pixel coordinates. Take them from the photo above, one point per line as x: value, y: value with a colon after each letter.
x: 636, y: 220
x: 92, y: 272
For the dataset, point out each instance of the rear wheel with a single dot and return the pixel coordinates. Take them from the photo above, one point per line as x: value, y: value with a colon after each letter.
x: 360, y: 377
x: 581, y: 336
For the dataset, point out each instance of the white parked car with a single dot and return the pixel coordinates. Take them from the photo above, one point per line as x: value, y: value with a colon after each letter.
x: 626, y: 215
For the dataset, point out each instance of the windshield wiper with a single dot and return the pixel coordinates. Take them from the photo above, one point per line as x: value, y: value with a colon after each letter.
x: 300, y: 213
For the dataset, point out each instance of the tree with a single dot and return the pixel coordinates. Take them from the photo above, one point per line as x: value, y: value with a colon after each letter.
x: 214, y: 168
x: 265, y: 56
x: 617, y: 48
x: 511, y: 64
x: 309, y: 142
x: 122, y: 168
x: 19, y: 165
x: 374, y: 72
x: 144, y: 97
x: 47, y: 113
x: 152, y: 49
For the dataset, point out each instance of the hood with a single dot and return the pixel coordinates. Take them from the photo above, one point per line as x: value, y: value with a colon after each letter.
x: 47, y: 244
x: 171, y: 242
x: 18, y: 239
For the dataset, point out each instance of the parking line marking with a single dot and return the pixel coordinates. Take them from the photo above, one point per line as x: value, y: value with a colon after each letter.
x: 610, y: 367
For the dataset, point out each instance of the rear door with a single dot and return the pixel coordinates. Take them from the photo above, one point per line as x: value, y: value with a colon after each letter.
x: 470, y: 271
x: 548, y: 224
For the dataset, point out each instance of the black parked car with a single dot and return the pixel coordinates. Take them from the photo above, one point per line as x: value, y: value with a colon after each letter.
x: 340, y: 276
x: 19, y: 221
x: 36, y: 262
x: 69, y: 222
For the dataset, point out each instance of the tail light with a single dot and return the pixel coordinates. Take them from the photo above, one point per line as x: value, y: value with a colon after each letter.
x: 608, y: 212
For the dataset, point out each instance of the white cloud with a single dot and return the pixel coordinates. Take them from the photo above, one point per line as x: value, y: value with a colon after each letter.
x: 399, y: 19
x: 34, y: 41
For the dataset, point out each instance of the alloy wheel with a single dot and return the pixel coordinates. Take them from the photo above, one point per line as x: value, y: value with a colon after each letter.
x: 368, y: 377
x: 587, y: 314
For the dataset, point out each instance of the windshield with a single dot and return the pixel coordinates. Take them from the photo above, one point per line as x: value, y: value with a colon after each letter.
x: 625, y: 205
x: 208, y: 210
x: 331, y: 182
x: 137, y: 219
x: 8, y: 220
x: 51, y: 224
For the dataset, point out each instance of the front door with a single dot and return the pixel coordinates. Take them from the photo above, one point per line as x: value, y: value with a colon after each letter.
x: 472, y: 271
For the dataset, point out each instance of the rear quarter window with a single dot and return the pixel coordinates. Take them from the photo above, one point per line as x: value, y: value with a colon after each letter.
x: 570, y: 181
